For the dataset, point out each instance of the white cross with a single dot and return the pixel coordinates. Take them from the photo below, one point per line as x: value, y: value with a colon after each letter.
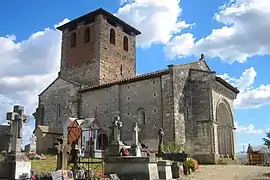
x: 136, y: 130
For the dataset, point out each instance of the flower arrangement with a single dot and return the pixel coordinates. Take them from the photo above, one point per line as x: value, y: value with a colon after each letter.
x: 191, y: 164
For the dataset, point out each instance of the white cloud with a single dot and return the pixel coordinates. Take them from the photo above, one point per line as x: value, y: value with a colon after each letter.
x: 27, y: 67
x: 249, y: 129
x: 184, y: 44
x: 66, y: 20
x: 27, y: 132
x: 244, y: 33
x: 249, y: 96
x: 156, y: 19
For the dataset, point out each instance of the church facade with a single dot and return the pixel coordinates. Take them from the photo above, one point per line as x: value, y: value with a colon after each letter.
x: 98, y: 72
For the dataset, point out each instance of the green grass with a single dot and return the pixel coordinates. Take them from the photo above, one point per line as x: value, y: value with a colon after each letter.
x: 42, y: 166
x: 49, y: 164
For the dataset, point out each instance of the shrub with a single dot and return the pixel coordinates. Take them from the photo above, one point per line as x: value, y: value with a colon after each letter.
x: 192, y: 164
x: 173, y: 147
x: 189, y: 164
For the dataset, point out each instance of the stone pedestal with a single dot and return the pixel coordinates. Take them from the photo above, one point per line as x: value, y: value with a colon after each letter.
x: 132, y: 168
x: 114, y: 148
x: 14, y: 166
x: 177, y: 170
x: 135, y: 151
x: 164, y: 169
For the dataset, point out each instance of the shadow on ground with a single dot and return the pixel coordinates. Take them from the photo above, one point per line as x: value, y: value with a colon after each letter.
x: 265, y: 177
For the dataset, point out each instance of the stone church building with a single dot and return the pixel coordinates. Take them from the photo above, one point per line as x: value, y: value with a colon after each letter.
x: 98, y: 70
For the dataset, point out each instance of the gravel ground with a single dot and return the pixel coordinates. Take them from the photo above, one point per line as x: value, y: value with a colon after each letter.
x: 230, y: 172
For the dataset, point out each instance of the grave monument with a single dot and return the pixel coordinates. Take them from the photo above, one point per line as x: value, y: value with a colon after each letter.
x: 135, y: 149
x: 115, y: 144
x: 63, y: 149
x: 128, y: 167
x: 164, y: 166
x: 32, y: 146
x: 15, y: 164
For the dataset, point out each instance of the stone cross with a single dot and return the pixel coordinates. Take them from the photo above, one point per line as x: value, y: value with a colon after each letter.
x: 135, y: 147
x: 33, y: 139
x: 117, y: 124
x: 63, y: 149
x: 16, y: 120
x: 161, y: 139
x: 136, y: 130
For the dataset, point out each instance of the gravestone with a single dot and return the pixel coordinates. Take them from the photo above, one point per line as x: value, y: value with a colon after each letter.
x: 63, y: 149
x: 62, y: 175
x: 161, y: 143
x: 164, y: 166
x: 164, y: 169
x: 14, y: 164
x: 135, y: 147
x: 31, y: 147
x: 115, y: 144
x: 128, y: 167
x: 114, y: 177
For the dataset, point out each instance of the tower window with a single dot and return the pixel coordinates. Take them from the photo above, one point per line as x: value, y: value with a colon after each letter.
x: 73, y: 40
x: 87, y: 35
x: 112, y: 36
x: 125, y: 43
x: 121, y: 69
x: 143, y: 117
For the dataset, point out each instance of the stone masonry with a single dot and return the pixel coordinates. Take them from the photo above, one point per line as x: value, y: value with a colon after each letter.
x: 4, y: 137
x: 190, y: 103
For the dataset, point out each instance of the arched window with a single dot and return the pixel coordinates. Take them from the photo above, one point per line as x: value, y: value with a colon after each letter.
x: 141, y: 116
x: 87, y: 35
x: 73, y: 40
x: 112, y: 36
x: 58, y: 110
x: 125, y: 43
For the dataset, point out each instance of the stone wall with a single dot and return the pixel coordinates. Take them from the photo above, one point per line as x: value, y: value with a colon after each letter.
x: 4, y: 138
x: 201, y: 134
x: 129, y: 100
x: 97, y: 61
x: 180, y: 91
x: 81, y: 63
x: 115, y: 62
x: 168, y: 106
x: 60, y: 96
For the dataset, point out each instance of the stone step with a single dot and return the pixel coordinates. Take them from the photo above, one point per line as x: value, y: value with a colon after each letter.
x: 227, y: 161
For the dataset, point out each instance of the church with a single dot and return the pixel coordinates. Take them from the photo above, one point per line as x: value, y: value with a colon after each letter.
x: 98, y: 73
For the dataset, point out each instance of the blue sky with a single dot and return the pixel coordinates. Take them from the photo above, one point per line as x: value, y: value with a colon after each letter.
x: 232, y: 34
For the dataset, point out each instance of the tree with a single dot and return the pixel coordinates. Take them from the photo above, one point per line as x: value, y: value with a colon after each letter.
x: 267, y: 140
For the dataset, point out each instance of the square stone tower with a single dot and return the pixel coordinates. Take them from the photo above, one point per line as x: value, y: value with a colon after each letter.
x: 98, y: 48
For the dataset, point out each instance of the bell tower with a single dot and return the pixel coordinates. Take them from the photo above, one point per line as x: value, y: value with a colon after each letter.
x: 98, y: 48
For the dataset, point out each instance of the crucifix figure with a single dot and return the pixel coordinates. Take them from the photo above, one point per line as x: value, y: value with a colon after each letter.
x: 16, y: 120
x: 117, y: 124
x: 116, y: 145
x: 160, y: 143
x: 63, y: 149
